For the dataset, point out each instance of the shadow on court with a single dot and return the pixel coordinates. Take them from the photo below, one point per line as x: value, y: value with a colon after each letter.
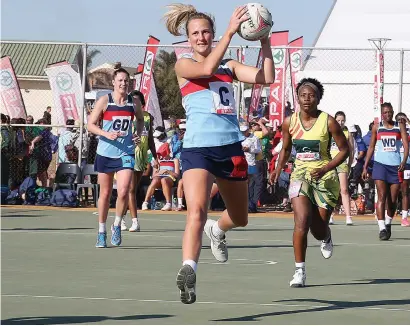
x: 47, y: 320
x: 46, y: 229
x: 23, y: 215
x: 366, y: 282
x: 322, y: 305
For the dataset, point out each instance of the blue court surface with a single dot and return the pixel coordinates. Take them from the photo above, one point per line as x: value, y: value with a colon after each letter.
x: 53, y: 274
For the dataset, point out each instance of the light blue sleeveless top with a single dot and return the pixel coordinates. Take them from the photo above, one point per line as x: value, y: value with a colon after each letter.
x: 117, y: 118
x: 402, y: 148
x: 388, y: 144
x: 210, y: 108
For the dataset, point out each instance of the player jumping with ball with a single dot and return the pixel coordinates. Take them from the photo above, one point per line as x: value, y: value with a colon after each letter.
x: 212, y: 143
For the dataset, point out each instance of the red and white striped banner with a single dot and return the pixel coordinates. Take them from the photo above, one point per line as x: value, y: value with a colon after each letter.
x: 277, y: 89
x: 65, y: 84
x: 378, y: 84
x: 257, y: 88
x: 151, y: 51
x: 295, y: 65
x: 12, y: 101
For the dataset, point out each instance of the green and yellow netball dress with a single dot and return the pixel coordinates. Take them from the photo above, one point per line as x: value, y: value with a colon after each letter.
x: 141, y: 151
x: 334, y: 150
x: 312, y: 152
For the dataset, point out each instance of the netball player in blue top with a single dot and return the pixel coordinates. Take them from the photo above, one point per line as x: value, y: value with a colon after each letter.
x: 212, y: 143
x: 115, y: 151
x: 386, y: 143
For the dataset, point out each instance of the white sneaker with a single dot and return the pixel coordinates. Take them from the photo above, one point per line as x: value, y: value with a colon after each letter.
x: 167, y: 207
x: 123, y: 225
x: 349, y: 220
x: 135, y: 227
x: 144, y: 206
x: 218, y: 246
x: 180, y: 207
x: 326, y: 247
x: 331, y: 221
x: 299, y: 278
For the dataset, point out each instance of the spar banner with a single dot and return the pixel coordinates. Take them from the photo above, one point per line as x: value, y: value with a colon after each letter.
x: 12, y: 101
x: 279, y: 41
x: 65, y: 84
x: 138, y: 75
x: 147, y: 77
x: 378, y: 84
x: 295, y: 65
x: 257, y: 88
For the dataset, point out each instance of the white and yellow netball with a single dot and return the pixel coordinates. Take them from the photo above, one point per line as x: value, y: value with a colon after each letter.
x: 258, y: 24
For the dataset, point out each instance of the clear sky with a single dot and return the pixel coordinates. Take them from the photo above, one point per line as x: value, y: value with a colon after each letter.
x: 131, y: 21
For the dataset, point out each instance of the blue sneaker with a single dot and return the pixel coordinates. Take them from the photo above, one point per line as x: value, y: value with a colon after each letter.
x: 116, y: 235
x: 101, y: 240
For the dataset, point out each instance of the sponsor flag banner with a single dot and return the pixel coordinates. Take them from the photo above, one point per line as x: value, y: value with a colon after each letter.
x: 12, y: 101
x: 153, y: 106
x: 257, y: 88
x: 65, y: 84
x: 138, y: 75
x: 279, y: 41
x: 147, y: 77
x: 295, y: 65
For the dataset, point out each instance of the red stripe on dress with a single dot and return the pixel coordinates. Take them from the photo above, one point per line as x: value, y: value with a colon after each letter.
x: 108, y: 115
x: 389, y: 134
x: 200, y: 84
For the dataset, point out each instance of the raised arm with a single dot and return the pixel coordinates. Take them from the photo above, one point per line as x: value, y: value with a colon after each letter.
x: 253, y: 75
x: 190, y: 69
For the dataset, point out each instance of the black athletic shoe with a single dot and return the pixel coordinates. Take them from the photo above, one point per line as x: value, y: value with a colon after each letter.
x: 383, y: 235
x: 388, y: 229
x: 186, y: 280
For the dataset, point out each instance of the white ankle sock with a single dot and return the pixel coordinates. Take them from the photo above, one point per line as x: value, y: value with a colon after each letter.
x: 404, y: 214
x: 216, y: 231
x: 180, y: 201
x: 300, y: 265
x: 388, y: 219
x: 382, y: 225
x: 191, y: 263
x: 101, y: 227
x: 134, y: 220
x: 117, y: 220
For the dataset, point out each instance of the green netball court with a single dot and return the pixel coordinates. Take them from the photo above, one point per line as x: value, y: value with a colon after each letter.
x: 51, y: 273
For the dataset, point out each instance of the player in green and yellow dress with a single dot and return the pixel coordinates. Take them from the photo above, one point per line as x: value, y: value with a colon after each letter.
x: 344, y: 168
x: 141, y: 160
x: 314, y: 187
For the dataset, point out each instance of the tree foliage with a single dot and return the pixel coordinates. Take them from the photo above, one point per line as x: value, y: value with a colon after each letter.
x: 169, y: 95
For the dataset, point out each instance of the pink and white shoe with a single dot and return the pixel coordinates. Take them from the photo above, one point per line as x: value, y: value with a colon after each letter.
x: 405, y: 222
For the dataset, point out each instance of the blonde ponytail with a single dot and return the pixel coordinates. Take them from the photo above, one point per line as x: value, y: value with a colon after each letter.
x: 178, y: 16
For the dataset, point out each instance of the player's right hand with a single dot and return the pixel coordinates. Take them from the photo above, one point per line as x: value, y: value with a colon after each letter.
x: 365, y: 175
x: 273, y: 177
x: 112, y: 135
x: 238, y: 16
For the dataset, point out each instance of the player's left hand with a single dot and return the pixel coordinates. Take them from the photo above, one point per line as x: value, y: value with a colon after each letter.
x: 136, y: 138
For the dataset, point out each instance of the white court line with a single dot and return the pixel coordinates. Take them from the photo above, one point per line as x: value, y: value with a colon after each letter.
x: 204, y: 302
x: 229, y: 239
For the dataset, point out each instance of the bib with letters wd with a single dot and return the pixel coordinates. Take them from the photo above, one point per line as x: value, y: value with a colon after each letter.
x: 388, y: 144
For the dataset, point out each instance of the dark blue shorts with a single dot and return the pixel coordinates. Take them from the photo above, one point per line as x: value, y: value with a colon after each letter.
x: 104, y: 164
x: 226, y: 162
x: 387, y: 173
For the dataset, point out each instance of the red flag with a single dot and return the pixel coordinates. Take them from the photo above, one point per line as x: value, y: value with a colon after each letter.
x: 295, y: 58
x: 138, y: 75
x: 10, y: 90
x: 151, y: 51
x: 257, y: 88
x: 277, y: 89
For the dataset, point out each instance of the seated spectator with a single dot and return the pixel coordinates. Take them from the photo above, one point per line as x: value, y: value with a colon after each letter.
x: 164, y: 178
x: 67, y: 138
